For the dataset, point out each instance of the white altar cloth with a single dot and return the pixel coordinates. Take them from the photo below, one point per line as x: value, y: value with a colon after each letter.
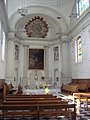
x: 40, y: 91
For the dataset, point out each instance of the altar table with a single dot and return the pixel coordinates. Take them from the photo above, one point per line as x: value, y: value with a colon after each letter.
x: 40, y: 91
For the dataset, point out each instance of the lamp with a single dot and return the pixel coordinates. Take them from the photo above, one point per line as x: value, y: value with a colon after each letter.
x: 58, y: 9
x: 22, y: 11
x: 36, y: 76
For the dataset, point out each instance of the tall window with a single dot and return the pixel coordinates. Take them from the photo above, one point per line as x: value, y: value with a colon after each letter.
x: 2, y: 41
x: 3, y: 46
x: 5, y: 1
x: 0, y: 35
x: 78, y: 50
x: 82, y: 5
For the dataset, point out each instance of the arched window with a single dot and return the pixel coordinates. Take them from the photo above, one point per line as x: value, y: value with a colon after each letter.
x: 82, y: 5
x: 3, y: 46
x: 2, y: 41
x: 78, y: 50
x: 5, y: 1
x: 0, y: 35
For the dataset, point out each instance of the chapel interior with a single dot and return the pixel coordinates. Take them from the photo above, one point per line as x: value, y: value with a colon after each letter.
x: 45, y: 49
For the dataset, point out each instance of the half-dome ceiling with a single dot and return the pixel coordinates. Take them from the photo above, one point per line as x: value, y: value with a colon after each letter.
x: 28, y: 26
x: 44, y: 28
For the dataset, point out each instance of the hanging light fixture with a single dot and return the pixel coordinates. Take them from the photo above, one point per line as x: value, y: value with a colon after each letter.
x: 58, y: 8
x: 22, y: 10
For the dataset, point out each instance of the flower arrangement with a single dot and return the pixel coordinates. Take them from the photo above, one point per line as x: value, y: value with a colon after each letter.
x: 41, y: 85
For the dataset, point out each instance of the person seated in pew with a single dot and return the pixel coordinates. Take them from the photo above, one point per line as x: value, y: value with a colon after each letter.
x: 19, y: 90
x: 11, y: 87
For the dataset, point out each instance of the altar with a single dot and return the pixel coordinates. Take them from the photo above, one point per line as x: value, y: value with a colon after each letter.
x: 41, y: 91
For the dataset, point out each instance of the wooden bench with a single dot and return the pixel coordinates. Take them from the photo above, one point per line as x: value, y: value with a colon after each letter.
x: 21, y: 105
x: 69, y: 89
x: 39, y: 110
x: 35, y: 102
x: 19, y: 110
x: 83, y: 84
x: 30, y: 99
x: 77, y: 85
x: 57, y: 110
x: 82, y: 96
x: 31, y: 106
x: 32, y: 96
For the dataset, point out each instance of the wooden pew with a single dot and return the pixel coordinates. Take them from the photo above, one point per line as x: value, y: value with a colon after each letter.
x: 19, y: 110
x: 48, y: 110
x: 43, y: 101
x: 30, y: 99
x: 82, y: 96
x: 31, y: 96
x: 70, y: 89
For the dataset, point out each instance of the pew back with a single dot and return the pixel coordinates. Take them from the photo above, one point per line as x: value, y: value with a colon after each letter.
x: 57, y: 110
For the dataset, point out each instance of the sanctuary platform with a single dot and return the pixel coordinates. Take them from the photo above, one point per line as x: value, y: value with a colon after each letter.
x: 41, y: 91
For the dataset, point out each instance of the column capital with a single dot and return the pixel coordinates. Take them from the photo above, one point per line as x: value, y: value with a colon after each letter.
x: 26, y: 46
x: 65, y: 39
x: 11, y: 35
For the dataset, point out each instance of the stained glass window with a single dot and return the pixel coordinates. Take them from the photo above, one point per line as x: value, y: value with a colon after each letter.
x: 78, y: 50
x: 82, y: 5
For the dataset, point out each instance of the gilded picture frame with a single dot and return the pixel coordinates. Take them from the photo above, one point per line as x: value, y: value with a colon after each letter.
x: 36, y: 59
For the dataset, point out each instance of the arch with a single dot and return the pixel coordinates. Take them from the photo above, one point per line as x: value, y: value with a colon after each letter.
x: 37, y: 10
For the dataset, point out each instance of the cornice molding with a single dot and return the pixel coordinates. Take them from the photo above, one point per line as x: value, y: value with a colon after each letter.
x: 80, y: 25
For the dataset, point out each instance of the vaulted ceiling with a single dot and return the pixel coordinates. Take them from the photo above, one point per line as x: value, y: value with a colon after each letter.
x: 56, y: 14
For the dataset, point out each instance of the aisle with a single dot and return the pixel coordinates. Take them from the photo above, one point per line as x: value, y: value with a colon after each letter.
x: 84, y: 114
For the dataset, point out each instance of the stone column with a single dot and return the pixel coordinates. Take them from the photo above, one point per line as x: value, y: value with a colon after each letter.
x: 10, y: 56
x: 65, y: 65
x: 25, y: 63
x: 46, y: 67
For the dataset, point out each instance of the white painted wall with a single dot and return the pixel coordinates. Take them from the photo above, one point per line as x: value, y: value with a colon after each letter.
x: 2, y: 66
x: 9, y: 75
x: 66, y: 67
x: 63, y: 65
x: 81, y: 70
x: 2, y: 62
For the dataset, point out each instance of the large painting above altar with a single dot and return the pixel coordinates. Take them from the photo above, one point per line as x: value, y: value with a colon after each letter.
x: 36, y: 58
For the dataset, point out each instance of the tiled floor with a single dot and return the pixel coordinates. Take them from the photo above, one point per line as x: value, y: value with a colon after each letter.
x: 84, y: 115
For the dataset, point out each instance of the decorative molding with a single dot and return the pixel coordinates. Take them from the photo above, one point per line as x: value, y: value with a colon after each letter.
x: 11, y: 36
x: 80, y: 24
x: 37, y: 27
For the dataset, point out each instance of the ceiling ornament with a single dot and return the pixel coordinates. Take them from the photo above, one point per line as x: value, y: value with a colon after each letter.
x: 37, y: 27
x: 22, y: 10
